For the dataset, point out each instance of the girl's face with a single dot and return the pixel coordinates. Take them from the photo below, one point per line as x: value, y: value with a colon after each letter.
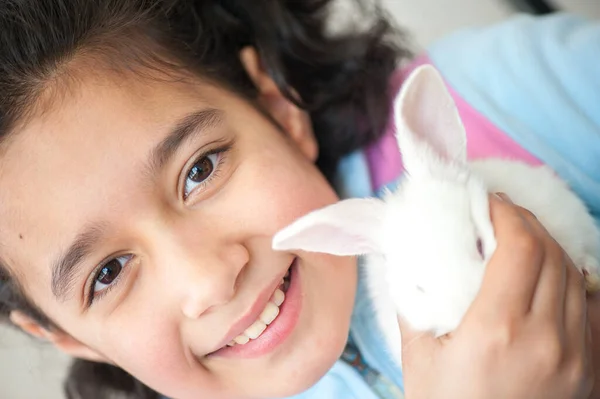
x: 138, y: 215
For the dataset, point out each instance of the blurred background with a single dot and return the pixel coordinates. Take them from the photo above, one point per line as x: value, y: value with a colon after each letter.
x: 31, y: 370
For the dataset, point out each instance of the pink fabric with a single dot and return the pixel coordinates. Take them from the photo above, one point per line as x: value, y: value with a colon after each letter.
x: 484, y: 139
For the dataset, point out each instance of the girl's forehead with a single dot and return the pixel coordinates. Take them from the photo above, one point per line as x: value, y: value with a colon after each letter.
x: 97, y: 121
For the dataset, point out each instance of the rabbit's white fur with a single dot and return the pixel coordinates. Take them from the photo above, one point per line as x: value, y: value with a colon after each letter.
x: 427, y: 243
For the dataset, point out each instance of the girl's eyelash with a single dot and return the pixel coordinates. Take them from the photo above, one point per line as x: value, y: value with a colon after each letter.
x: 94, y: 296
x: 222, y: 152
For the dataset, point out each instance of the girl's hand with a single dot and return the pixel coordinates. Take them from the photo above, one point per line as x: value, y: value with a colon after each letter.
x: 526, y: 335
x: 593, y: 305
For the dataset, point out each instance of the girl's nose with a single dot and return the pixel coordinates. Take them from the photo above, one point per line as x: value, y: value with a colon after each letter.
x: 211, y: 281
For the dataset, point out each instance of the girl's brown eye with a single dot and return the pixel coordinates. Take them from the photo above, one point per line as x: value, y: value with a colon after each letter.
x: 109, y: 272
x: 201, y: 170
x: 107, y: 277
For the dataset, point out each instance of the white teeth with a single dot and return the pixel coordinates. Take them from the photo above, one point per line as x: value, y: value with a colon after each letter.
x: 241, y: 339
x: 255, y: 329
x: 269, y: 314
x: 278, y: 297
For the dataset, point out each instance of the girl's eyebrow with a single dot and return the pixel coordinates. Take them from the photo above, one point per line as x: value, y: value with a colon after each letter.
x: 188, y: 126
x: 65, y: 267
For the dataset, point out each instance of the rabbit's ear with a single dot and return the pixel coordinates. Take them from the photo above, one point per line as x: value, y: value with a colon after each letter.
x: 428, y: 125
x: 349, y: 227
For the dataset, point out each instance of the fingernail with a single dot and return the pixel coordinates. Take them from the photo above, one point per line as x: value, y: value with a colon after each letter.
x: 504, y: 197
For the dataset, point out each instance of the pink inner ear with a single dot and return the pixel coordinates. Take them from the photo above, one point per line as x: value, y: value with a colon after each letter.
x: 349, y: 227
x: 429, y: 112
x: 330, y: 239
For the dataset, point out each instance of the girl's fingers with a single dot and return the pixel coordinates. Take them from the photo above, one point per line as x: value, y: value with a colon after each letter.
x: 516, y: 263
x: 416, y: 341
x: 417, y: 358
x: 549, y: 298
x: 559, y: 304
x: 593, y: 318
x: 575, y: 316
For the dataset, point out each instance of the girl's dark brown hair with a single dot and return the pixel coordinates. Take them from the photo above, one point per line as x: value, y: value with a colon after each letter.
x: 341, y: 80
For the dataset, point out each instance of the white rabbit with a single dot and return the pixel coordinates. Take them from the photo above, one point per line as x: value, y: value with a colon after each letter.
x: 428, y: 242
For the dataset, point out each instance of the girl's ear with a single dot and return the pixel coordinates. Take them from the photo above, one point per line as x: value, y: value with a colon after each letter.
x: 430, y: 132
x: 294, y: 121
x: 63, y: 341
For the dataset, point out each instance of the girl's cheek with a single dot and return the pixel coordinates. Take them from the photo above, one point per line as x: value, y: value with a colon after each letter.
x: 151, y: 351
x: 287, y: 199
x: 270, y: 186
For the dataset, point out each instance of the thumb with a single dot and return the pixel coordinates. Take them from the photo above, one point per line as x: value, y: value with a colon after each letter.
x: 418, y: 347
x: 418, y: 359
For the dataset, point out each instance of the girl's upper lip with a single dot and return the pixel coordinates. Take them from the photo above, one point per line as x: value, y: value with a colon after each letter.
x: 252, y: 313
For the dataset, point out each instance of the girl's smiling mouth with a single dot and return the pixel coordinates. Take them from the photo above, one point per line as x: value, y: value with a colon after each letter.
x: 270, y: 321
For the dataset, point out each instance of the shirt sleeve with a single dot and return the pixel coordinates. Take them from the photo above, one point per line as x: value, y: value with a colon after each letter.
x: 538, y: 80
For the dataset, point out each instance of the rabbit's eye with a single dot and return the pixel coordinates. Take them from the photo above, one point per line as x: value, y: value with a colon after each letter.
x: 480, y: 247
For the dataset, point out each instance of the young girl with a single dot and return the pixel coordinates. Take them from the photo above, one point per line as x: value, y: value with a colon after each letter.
x: 150, y: 149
